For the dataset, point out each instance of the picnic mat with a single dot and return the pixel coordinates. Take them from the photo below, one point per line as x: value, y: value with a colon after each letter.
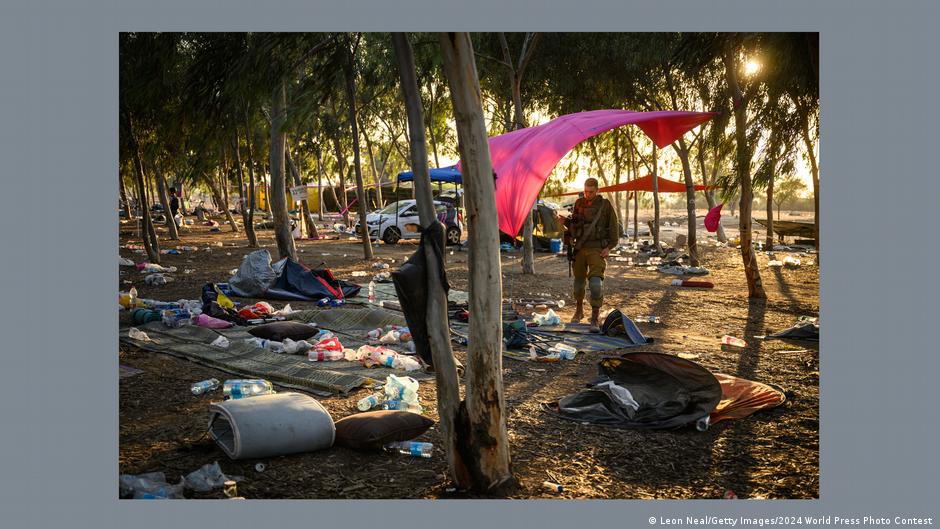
x: 386, y: 292
x: 292, y: 371
x: 582, y: 341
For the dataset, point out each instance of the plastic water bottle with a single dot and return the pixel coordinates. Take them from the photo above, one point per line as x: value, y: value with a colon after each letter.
x: 731, y: 340
x: 407, y: 363
x: 205, y: 386
x: 412, y: 448
x: 274, y: 347
x: 370, y: 402
x: 565, y: 351
x: 375, y: 334
x: 371, y: 291
x: 325, y: 356
x: 647, y: 319
x: 243, y: 388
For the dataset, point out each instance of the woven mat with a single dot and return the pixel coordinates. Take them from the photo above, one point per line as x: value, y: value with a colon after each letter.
x: 291, y: 371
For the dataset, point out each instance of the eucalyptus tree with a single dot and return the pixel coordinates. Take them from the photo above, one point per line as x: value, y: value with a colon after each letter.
x: 485, y: 440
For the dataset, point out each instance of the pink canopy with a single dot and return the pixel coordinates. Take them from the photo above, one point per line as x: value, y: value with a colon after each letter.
x: 643, y: 184
x: 523, y: 159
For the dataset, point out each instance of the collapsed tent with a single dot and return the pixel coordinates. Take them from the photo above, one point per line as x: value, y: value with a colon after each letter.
x: 522, y: 159
x: 286, y: 279
x: 804, y: 331
x: 657, y: 391
x: 643, y: 184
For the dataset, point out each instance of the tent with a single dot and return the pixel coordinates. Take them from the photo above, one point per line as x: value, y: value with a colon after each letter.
x: 448, y: 175
x: 545, y: 227
x: 522, y: 159
x: 286, y: 279
x: 643, y: 184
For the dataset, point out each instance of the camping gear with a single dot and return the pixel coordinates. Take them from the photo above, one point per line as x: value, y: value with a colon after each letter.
x: 791, y: 228
x: 804, y: 331
x: 286, y: 279
x: 616, y: 323
x: 142, y: 316
x: 280, y: 330
x: 374, y: 429
x: 668, y: 392
x: 741, y: 397
x: 411, y: 285
x: 643, y: 184
x: 271, y: 425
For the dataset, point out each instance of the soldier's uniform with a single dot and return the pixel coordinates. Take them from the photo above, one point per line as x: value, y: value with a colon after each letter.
x: 589, y: 266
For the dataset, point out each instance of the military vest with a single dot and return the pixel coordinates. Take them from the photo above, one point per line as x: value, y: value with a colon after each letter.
x: 583, y: 216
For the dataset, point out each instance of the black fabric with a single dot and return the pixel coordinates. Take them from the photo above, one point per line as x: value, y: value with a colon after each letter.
x: 671, y: 392
x: 296, y: 282
x: 616, y: 324
x: 801, y: 332
x: 411, y: 285
x: 211, y: 307
x: 279, y: 330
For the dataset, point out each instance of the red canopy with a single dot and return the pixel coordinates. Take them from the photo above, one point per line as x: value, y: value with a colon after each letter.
x: 643, y: 184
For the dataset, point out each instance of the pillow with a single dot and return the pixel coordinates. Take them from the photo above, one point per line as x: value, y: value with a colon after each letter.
x: 373, y: 429
x: 279, y: 330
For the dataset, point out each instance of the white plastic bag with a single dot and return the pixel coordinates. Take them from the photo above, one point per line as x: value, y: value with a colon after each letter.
x: 221, y: 342
x: 549, y: 318
x: 136, y: 334
x: 291, y: 347
x: 208, y: 477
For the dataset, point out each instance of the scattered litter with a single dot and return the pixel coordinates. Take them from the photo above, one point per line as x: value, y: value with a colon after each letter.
x: 221, y: 342
x: 647, y: 319
x: 230, y: 489
x: 401, y: 393
x: 205, y: 386
x: 150, y: 486
x: 122, y: 261
x: 380, y: 266
x: 411, y: 448
x: 188, y: 271
x: 244, y: 388
x: 683, y: 270
x: 688, y: 356
x: 692, y: 284
x: 791, y: 262
x: 136, y: 334
x: 259, y: 467
x: 359, y: 273
x: 157, y: 280
x: 208, y: 477
x: 732, y: 341
x: 553, y: 487
x: 774, y: 263
x: 549, y: 318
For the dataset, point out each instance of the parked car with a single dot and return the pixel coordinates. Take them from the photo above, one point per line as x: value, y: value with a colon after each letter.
x: 390, y: 224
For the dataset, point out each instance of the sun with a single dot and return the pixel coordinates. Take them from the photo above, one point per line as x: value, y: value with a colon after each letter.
x: 751, y: 67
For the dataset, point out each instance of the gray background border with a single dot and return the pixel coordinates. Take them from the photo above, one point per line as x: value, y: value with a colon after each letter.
x: 879, y: 74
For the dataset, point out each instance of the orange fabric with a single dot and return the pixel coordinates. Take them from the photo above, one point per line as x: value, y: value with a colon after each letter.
x: 643, y: 184
x: 741, y: 397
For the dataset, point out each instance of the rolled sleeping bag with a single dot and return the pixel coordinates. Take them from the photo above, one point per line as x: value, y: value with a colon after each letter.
x: 271, y: 425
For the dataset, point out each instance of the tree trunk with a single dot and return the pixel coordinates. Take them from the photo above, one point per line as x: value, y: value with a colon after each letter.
x: 277, y: 198
x: 357, y: 162
x: 433, y: 136
x: 655, y: 226
x: 242, y: 192
x: 123, y: 189
x: 769, y: 240
x: 376, y: 178
x: 636, y: 197
x: 151, y: 244
x: 755, y: 287
x: 319, y: 187
x: 213, y: 186
x: 485, y: 439
x: 814, y: 169
x: 304, y: 206
x: 329, y: 181
x: 252, y: 198
x: 165, y: 201
x: 683, y: 151
x: 223, y: 197
x: 445, y: 366
x: 343, y: 204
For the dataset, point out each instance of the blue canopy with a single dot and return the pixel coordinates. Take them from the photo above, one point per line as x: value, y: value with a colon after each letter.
x: 442, y: 174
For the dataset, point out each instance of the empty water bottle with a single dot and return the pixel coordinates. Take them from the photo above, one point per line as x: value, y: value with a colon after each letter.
x: 176, y: 317
x: 275, y: 347
x: 731, y: 340
x: 242, y: 388
x: 205, y: 386
x: 647, y: 319
x: 565, y: 351
x: 323, y: 355
x: 412, y: 448
x: 370, y: 402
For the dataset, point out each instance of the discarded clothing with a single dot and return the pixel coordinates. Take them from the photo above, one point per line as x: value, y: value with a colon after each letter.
x: 286, y: 279
x: 683, y: 270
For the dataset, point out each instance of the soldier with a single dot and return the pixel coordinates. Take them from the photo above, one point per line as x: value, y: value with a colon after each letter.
x: 593, y: 230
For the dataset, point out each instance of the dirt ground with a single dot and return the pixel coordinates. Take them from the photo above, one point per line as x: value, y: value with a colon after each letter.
x: 773, y: 454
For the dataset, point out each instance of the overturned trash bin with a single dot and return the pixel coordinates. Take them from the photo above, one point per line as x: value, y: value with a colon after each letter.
x: 271, y: 425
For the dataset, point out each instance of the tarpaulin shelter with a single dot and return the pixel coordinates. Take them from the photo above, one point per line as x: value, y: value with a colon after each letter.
x: 450, y: 175
x: 522, y: 159
x: 643, y: 184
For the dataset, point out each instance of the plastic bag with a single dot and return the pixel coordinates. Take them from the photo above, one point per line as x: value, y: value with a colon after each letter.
x: 549, y: 318
x: 208, y: 477
x: 136, y: 334
x: 291, y: 347
x: 285, y: 311
x: 329, y: 344
x: 150, y: 486
x: 156, y: 280
x: 401, y: 393
x: 125, y: 262
x: 390, y: 337
x: 221, y: 342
